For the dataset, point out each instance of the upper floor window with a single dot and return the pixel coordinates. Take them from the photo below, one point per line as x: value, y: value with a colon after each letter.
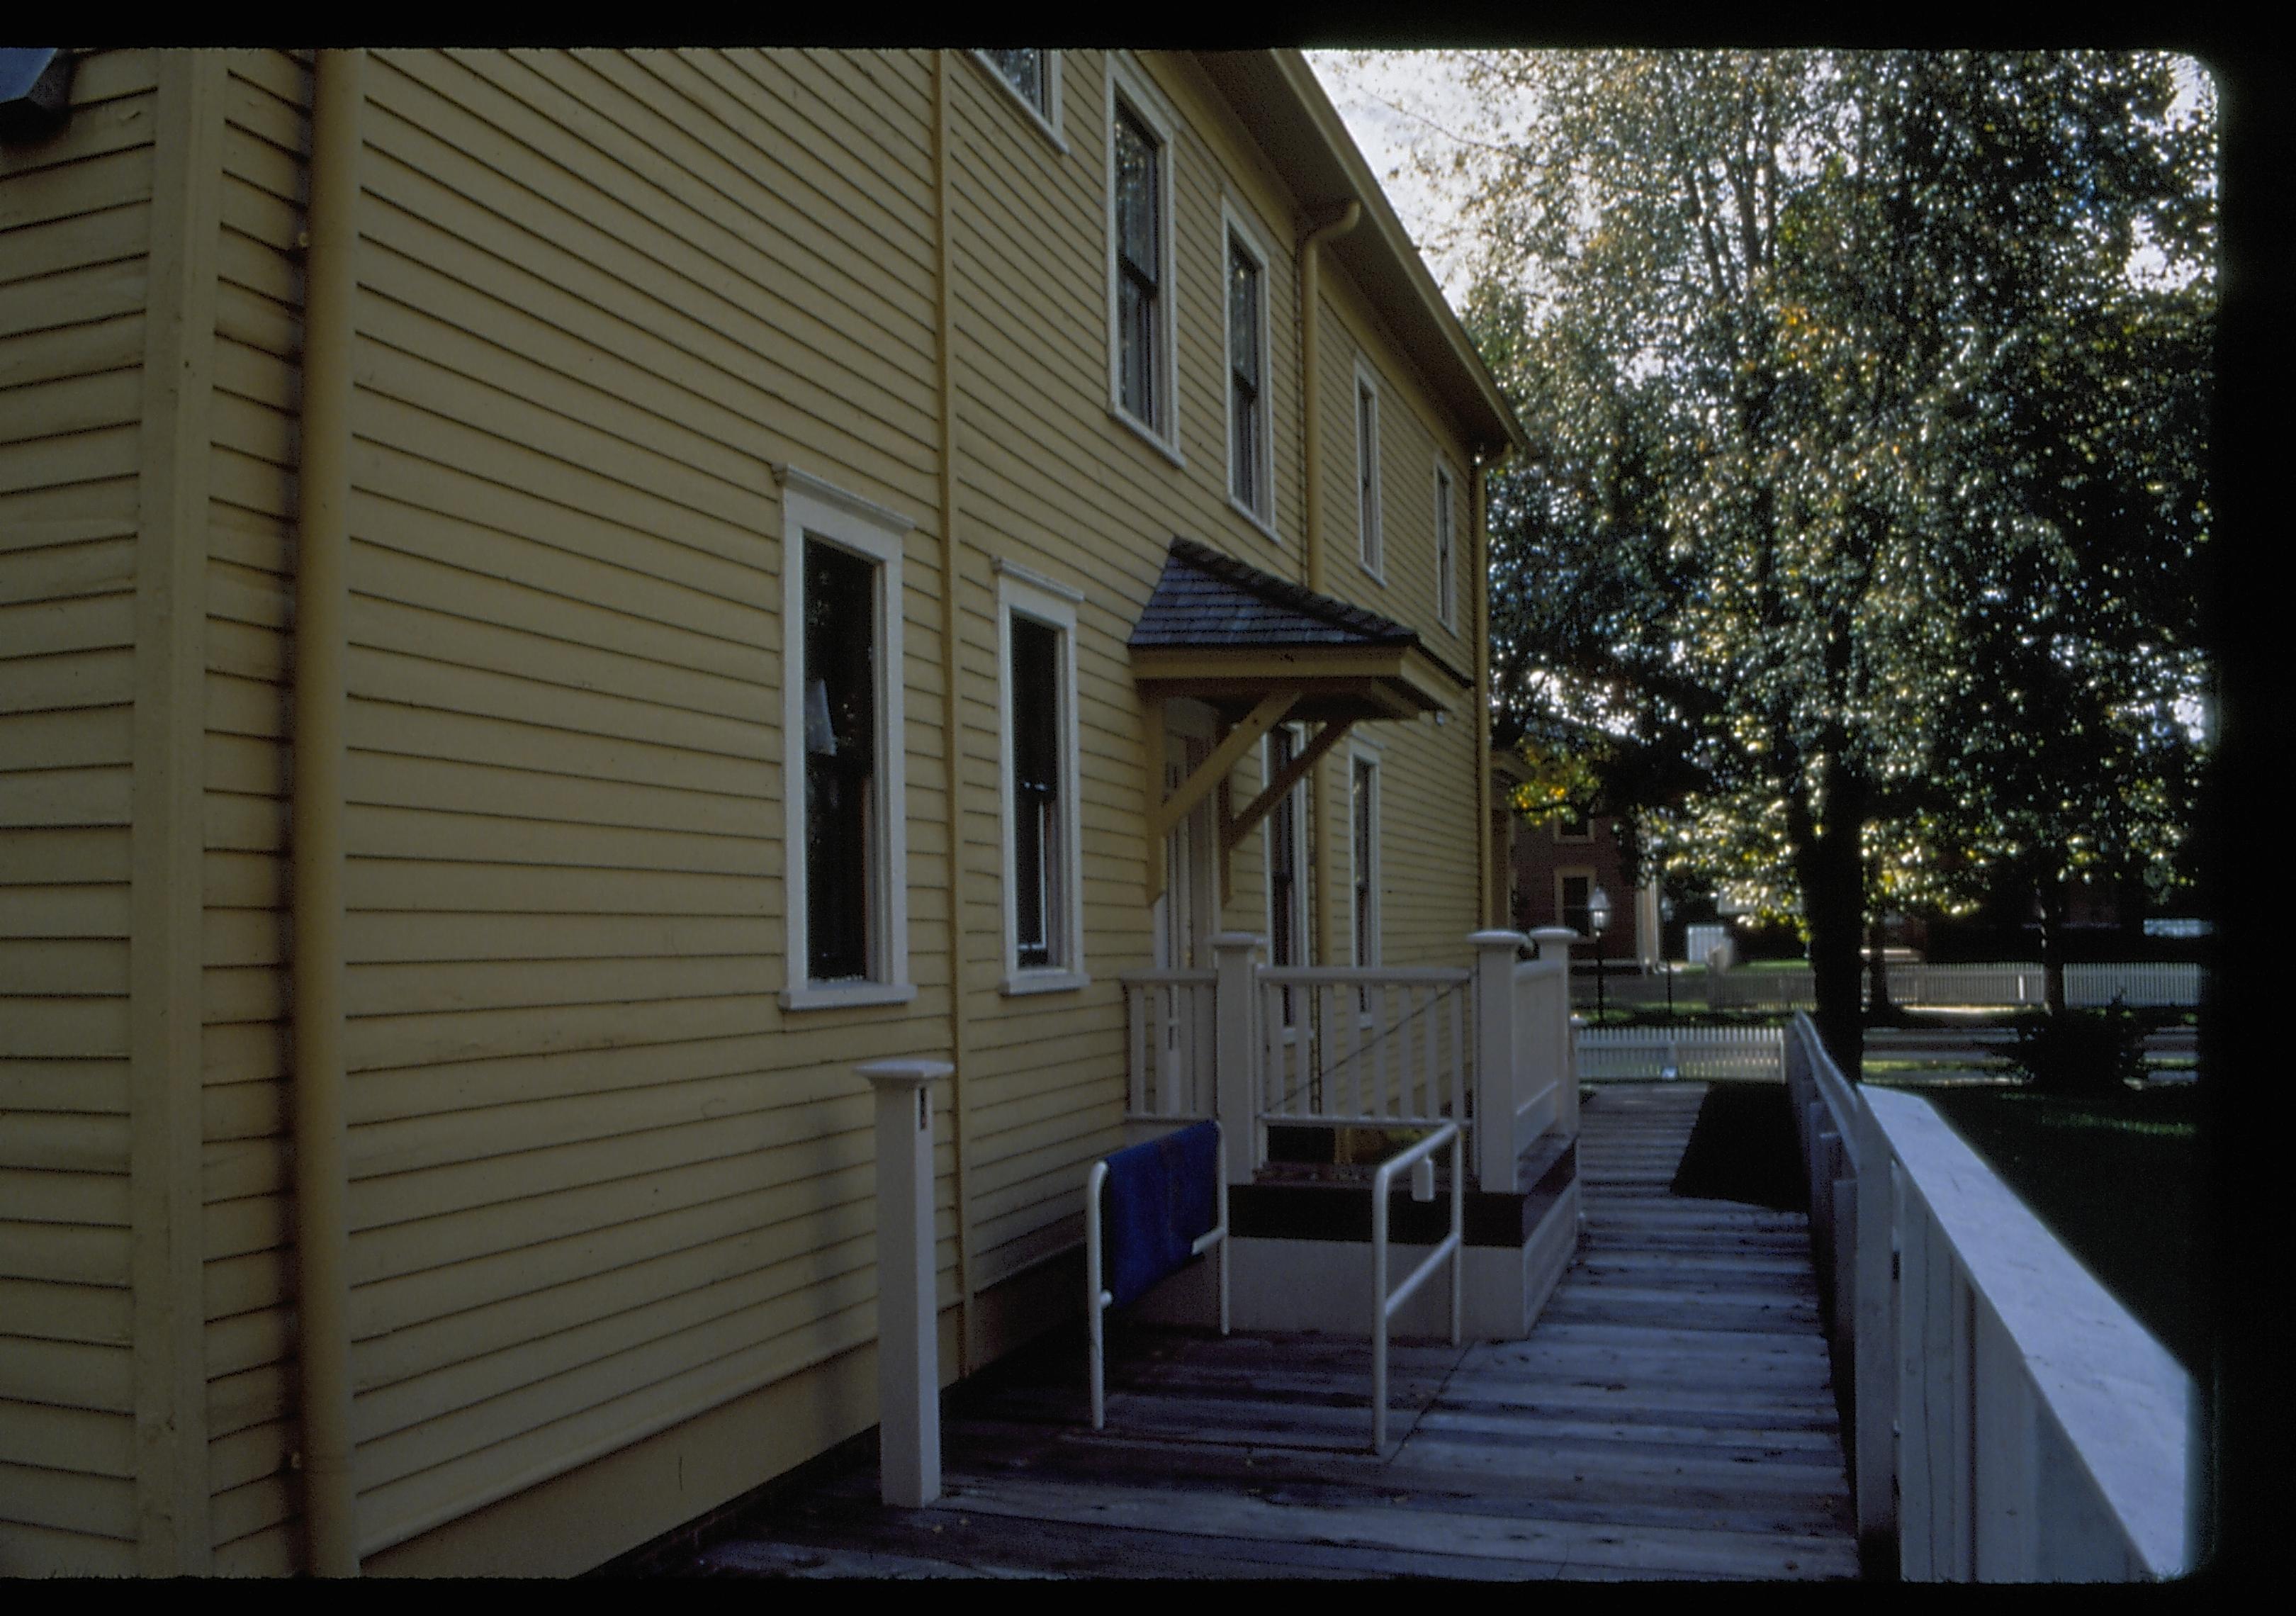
x: 1141, y: 358
x: 1249, y: 437
x: 1044, y: 911
x: 1367, y: 473
x: 1034, y: 78
x: 845, y: 841
x: 1447, y: 588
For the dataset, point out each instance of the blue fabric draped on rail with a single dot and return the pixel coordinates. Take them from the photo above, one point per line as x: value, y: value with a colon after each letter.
x: 1160, y: 1197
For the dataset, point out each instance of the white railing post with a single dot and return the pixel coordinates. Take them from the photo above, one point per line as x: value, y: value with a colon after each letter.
x: 1874, y: 1351
x: 908, y: 1324
x: 1498, y: 1086
x: 1235, y: 1005
x: 1555, y: 943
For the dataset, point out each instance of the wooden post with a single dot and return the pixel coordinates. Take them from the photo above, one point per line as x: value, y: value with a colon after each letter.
x: 1555, y: 941
x: 1498, y: 1086
x: 908, y: 1324
x: 1236, y: 1101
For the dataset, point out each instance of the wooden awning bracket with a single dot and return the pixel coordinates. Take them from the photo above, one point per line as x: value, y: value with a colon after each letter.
x: 1168, y: 811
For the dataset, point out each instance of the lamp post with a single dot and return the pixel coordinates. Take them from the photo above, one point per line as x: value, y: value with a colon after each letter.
x: 1598, y: 915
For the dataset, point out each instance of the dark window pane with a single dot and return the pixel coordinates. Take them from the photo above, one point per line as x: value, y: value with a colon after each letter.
x: 841, y: 759
x: 1025, y: 70
x: 1139, y: 258
x: 1365, y: 843
x: 1243, y: 379
x: 1037, y: 853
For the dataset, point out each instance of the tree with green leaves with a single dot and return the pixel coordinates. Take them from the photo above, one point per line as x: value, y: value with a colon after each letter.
x: 1853, y: 549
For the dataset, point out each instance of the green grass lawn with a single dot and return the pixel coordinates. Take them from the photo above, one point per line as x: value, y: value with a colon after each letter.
x: 2118, y: 1179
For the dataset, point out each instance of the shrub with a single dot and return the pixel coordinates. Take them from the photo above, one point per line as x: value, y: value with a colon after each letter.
x: 2082, y: 1052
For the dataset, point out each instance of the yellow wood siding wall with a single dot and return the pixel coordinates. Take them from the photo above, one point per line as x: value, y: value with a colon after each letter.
x: 601, y: 1181
x: 251, y: 596
x: 74, y: 224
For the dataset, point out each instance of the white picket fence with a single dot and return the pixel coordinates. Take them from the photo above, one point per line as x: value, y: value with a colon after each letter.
x: 2005, y: 983
x: 1695, y: 1054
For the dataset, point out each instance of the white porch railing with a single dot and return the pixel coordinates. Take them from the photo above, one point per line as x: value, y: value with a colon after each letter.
x: 1364, y: 1045
x: 1489, y: 1047
x: 2010, y: 1420
x: 1997, y: 983
x: 1169, y: 1037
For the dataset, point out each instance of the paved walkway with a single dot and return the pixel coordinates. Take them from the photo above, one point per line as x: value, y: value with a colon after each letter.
x: 1670, y: 1417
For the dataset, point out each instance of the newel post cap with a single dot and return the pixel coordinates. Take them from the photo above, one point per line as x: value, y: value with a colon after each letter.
x: 904, y: 1073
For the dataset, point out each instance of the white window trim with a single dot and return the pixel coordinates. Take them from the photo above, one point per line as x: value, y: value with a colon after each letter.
x: 1237, y: 231
x: 1022, y: 592
x: 1129, y: 84
x: 1369, y: 525
x: 1447, y: 568
x: 1047, y: 122
x: 1359, y: 753
x: 811, y: 506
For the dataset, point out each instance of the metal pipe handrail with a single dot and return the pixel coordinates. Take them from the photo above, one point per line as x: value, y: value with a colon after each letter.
x: 1452, y: 1246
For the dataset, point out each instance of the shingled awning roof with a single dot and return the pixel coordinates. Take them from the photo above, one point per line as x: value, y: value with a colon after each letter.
x: 1232, y: 634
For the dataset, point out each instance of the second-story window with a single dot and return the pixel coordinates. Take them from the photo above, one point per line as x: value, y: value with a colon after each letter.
x: 1028, y: 73
x: 1139, y: 270
x: 1248, y: 480
x: 1367, y: 473
x: 1446, y: 606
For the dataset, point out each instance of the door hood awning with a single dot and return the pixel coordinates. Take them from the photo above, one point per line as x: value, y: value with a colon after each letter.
x: 1232, y: 636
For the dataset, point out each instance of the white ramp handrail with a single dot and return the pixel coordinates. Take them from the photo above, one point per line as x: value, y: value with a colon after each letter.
x: 1385, y: 1303
x: 2011, y: 1421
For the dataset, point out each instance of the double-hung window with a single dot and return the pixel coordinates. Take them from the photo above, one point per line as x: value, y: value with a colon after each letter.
x: 1447, y: 587
x: 1140, y: 279
x: 1044, y: 907
x: 845, y: 842
x: 1251, y: 483
x: 1367, y: 523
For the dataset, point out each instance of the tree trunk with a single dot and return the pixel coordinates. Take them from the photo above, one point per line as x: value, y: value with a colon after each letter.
x: 1879, y: 1011
x: 1832, y: 868
x: 2054, y: 908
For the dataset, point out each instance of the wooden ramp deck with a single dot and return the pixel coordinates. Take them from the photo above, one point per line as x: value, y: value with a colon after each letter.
x: 1670, y: 1417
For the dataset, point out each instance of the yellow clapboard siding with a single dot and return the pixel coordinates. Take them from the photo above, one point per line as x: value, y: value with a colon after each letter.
x: 598, y: 1385
x: 58, y: 1027
x: 258, y: 709
x: 98, y: 1315
x: 45, y: 355
x: 77, y: 1439
x: 256, y: 300
x: 370, y: 937
x: 39, y: 1497
x: 250, y: 1507
x: 404, y: 707
x: 260, y: 196
x: 249, y: 1454
x: 758, y: 1232
x: 250, y: 651
x: 71, y: 739
x: 251, y: 765
x: 96, y: 1087
x: 245, y: 823
x: 255, y: 1397
x: 65, y: 1374
x: 275, y: 1551
x: 372, y: 831
x: 706, y: 1310
x: 247, y: 1341
x: 594, y: 1231
x: 33, y: 193
x: 416, y: 884
x: 40, y: 1551
x: 267, y: 131
x: 234, y: 1170
x: 95, y: 910
x: 235, y: 1106
x: 243, y: 880
x: 239, y: 1284
x: 65, y: 1254
x: 102, y: 236
x: 732, y: 710
x: 70, y: 680
x: 417, y: 988
x: 452, y: 784
x: 95, y: 455
x: 242, y: 993
x: 242, y: 936
x: 73, y: 296
x: 256, y: 376
x: 618, y: 575
x: 65, y: 967
x: 84, y: 403
x: 98, y: 1199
